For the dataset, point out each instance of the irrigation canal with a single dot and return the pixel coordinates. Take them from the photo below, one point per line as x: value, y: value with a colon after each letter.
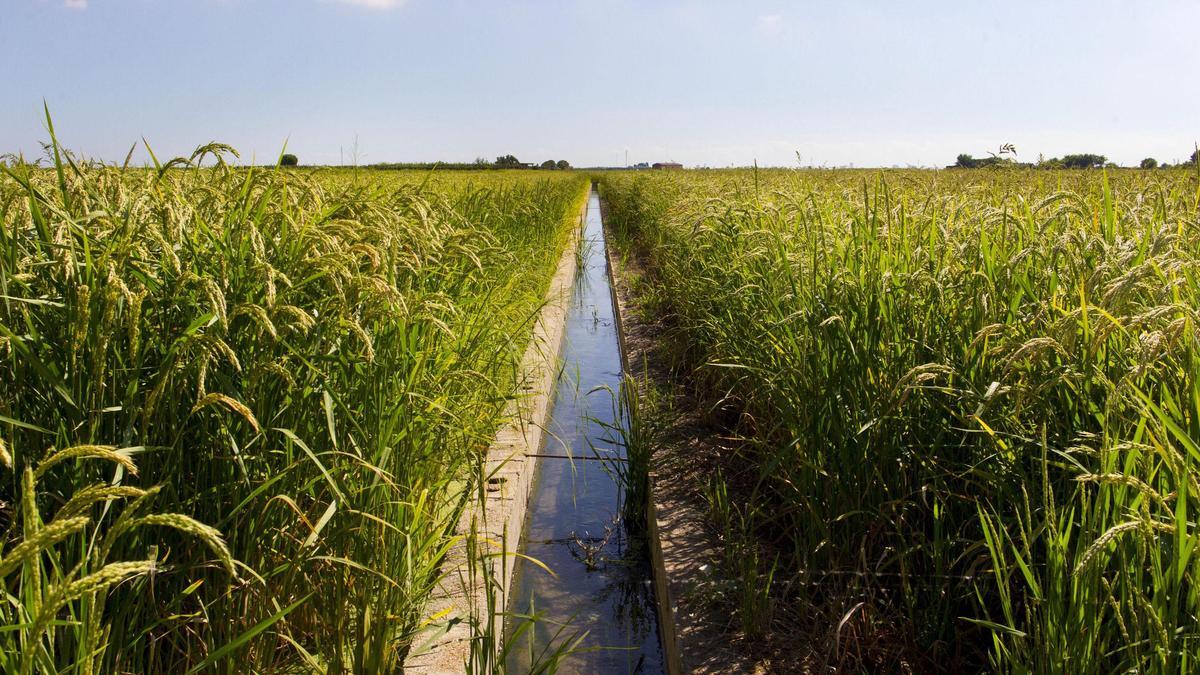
x: 601, y: 591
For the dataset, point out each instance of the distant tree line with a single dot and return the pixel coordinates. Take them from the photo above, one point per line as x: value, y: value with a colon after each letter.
x: 502, y: 162
x: 1151, y: 162
x: 1085, y: 160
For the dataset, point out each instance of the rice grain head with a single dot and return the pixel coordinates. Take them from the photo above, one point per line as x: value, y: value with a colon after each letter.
x: 108, y: 452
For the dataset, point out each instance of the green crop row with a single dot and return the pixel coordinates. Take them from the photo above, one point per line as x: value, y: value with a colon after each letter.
x: 968, y: 405
x: 241, y: 410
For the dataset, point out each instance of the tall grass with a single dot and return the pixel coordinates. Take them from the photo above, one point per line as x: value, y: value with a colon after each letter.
x: 282, y: 383
x: 634, y: 428
x: 970, y: 402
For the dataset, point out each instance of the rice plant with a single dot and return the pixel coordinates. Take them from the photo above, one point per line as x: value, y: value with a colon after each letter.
x: 304, y: 368
x: 969, y: 402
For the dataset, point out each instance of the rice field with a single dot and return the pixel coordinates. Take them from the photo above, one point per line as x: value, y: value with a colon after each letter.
x: 241, y: 409
x: 967, y: 406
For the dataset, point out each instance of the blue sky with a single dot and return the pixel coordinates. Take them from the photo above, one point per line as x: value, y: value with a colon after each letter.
x: 705, y: 83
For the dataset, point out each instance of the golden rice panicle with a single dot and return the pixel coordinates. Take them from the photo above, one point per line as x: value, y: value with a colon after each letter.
x: 106, y: 452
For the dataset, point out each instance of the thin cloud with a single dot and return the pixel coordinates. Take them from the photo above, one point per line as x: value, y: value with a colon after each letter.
x: 75, y: 4
x: 370, y: 4
x: 770, y: 25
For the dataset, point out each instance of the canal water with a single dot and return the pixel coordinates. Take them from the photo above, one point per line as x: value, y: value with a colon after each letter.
x: 600, y: 598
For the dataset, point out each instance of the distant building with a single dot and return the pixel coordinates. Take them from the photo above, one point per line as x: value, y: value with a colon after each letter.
x: 667, y: 165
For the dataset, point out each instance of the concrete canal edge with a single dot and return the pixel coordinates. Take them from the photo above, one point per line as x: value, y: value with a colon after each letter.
x: 662, y: 586
x: 464, y: 593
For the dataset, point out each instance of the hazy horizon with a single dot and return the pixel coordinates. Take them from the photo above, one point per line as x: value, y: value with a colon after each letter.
x: 702, y: 83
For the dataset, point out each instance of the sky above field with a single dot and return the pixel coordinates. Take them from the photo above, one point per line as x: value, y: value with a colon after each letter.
x: 704, y: 83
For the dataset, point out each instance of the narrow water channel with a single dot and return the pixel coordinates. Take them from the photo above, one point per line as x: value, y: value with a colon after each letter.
x: 601, y: 587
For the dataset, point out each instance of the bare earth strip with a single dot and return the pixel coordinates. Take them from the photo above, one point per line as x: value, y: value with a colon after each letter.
x: 445, y: 645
